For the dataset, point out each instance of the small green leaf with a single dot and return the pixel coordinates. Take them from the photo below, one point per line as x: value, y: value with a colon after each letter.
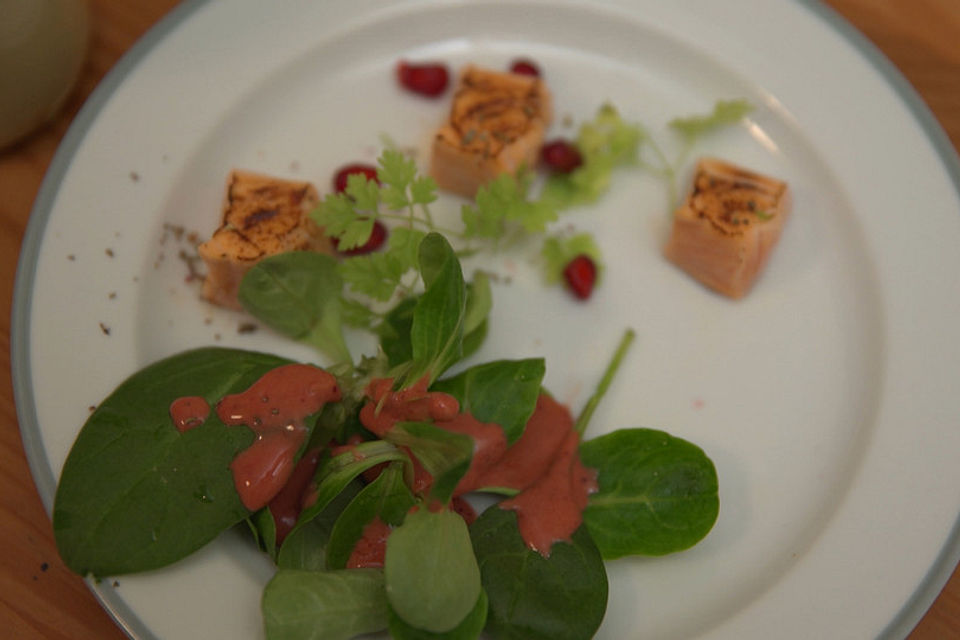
x: 299, y: 294
x: 503, y: 200
x: 328, y: 605
x: 379, y: 274
x: 436, y: 335
x: 479, y: 302
x: 423, y: 190
x: 364, y: 192
x: 386, y: 498
x: 725, y: 112
x: 658, y: 493
x: 432, y: 578
x: 394, y: 332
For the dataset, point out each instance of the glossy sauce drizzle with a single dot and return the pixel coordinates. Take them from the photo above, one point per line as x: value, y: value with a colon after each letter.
x: 189, y: 412
x: 275, y: 408
x: 543, y: 465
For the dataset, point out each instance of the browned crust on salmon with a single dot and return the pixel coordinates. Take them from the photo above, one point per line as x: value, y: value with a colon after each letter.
x: 496, y: 125
x: 728, y: 225
x: 262, y: 216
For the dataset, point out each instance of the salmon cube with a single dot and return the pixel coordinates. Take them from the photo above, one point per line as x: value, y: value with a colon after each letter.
x: 262, y: 216
x: 726, y: 228
x: 497, y: 124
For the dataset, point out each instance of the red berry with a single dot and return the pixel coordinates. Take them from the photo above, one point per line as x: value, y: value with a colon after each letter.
x: 425, y: 79
x: 340, y: 177
x: 561, y: 156
x: 377, y: 236
x: 581, y: 274
x: 524, y: 67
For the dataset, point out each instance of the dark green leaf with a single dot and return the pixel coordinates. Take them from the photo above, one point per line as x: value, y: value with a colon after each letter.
x: 532, y: 597
x: 334, y: 474
x: 432, y: 578
x: 306, y: 548
x: 436, y: 335
x: 479, y: 302
x: 324, y: 605
x: 503, y: 392
x: 264, y: 529
x: 474, y: 340
x: 394, y: 332
x: 135, y: 493
x: 658, y: 494
x: 386, y: 498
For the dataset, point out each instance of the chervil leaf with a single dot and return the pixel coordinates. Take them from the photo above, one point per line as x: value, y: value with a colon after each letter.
x: 364, y: 192
x: 349, y: 216
x: 423, y: 190
x: 505, y: 199
x: 396, y: 173
x: 725, y: 112
x: 334, y: 213
x: 558, y: 251
x: 404, y: 245
x: 355, y: 234
x: 378, y: 274
x: 476, y: 224
x: 396, y: 169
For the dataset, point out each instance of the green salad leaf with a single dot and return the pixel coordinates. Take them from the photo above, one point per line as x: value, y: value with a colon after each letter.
x: 502, y: 392
x: 436, y: 333
x: 135, y: 493
x: 387, y: 497
x: 560, y: 597
x: 298, y: 293
x: 658, y: 494
x: 324, y: 605
x: 306, y: 547
x: 432, y: 578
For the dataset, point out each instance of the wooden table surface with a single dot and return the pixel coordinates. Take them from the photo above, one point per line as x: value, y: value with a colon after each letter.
x: 39, y: 598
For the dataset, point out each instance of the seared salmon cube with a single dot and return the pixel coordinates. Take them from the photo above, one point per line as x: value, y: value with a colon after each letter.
x: 496, y: 125
x: 726, y: 228
x: 262, y: 216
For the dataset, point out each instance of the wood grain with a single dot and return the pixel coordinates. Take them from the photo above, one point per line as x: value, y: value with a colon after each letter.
x: 39, y: 598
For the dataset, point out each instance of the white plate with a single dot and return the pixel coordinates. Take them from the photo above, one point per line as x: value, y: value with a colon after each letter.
x: 827, y: 398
